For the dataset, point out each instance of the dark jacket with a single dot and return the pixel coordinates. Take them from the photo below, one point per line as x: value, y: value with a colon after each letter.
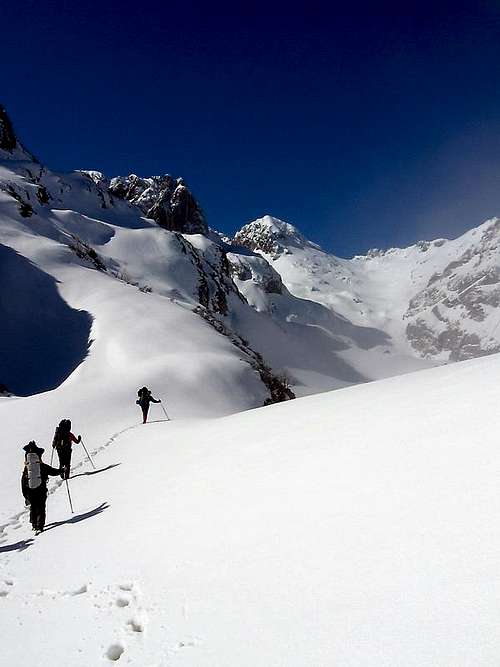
x: 145, y: 399
x: 45, y: 471
x: 66, y: 440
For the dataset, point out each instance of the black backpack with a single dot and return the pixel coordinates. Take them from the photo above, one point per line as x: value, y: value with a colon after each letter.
x: 61, y: 436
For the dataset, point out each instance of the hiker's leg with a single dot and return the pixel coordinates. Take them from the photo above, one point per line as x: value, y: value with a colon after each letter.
x: 41, y: 512
x: 60, y: 456
x: 65, y: 460
x: 33, y: 512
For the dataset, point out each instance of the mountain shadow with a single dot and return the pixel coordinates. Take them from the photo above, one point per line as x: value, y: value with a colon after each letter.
x: 42, y: 339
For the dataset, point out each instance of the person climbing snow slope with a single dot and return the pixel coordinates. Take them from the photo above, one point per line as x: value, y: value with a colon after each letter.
x: 63, y: 439
x: 145, y: 398
x: 34, y: 484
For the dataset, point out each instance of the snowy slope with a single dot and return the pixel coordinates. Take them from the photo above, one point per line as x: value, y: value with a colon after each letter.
x: 352, y: 528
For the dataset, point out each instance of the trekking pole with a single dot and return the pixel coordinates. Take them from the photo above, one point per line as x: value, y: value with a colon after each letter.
x: 163, y: 408
x: 69, y: 496
x: 51, y: 457
x: 88, y: 455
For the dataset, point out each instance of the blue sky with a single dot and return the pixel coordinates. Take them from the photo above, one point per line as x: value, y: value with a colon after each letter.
x: 364, y: 124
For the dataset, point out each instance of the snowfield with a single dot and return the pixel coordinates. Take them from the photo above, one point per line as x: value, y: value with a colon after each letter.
x: 352, y: 528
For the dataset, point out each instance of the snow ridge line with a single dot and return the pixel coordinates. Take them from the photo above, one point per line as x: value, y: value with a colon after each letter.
x: 14, y: 522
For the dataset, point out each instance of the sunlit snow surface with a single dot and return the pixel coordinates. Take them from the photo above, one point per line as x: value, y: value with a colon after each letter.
x: 355, y: 528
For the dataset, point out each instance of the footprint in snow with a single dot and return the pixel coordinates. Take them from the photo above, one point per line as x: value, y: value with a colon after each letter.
x: 122, y: 602
x: 135, y: 625
x: 126, y: 587
x: 6, y: 587
x: 187, y: 643
x: 125, y: 596
x: 114, y: 652
x: 79, y: 591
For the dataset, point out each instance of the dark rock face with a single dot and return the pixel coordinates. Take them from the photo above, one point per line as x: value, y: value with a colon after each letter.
x: 9, y: 143
x: 255, y: 268
x: 164, y: 199
x: 215, y: 283
x: 25, y: 208
x: 8, y: 139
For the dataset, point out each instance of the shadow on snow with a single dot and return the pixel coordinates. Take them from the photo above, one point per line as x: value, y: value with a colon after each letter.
x: 17, y: 546
x: 95, y: 472
x: 42, y: 338
x: 79, y: 517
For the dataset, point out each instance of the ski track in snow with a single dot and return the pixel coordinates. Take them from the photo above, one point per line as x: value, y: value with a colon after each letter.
x: 124, y: 599
x: 21, y: 519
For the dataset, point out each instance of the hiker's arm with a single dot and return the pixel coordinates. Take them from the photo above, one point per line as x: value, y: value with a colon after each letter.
x: 49, y: 470
x: 24, y: 483
x: 74, y: 439
x: 155, y: 401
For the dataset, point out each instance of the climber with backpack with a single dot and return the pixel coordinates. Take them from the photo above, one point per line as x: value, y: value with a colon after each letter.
x: 145, y: 398
x: 63, y: 439
x: 34, y: 484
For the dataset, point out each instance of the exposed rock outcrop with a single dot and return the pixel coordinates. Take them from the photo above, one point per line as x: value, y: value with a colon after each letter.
x: 164, y: 199
x: 257, y: 269
x: 10, y: 147
x: 8, y: 139
x: 456, y: 313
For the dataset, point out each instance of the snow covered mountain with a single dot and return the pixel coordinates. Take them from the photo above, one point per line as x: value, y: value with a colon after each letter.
x: 299, y: 317
x: 73, y: 249
x: 83, y: 229
x: 436, y: 300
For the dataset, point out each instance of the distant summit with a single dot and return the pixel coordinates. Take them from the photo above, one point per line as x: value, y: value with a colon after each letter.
x: 271, y: 236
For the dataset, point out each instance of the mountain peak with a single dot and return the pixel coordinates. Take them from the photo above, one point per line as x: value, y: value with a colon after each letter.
x: 271, y: 236
x: 165, y: 199
x: 10, y: 147
x: 8, y: 139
